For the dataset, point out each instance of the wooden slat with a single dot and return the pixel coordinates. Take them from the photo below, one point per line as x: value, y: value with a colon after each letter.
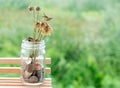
x: 17, y: 70
x: 17, y: 82
x: 17, y: 60
x: 24, y: 87
x: 2, y: 79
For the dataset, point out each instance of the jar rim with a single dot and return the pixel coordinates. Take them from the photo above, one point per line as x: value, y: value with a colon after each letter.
x: 40, y: 42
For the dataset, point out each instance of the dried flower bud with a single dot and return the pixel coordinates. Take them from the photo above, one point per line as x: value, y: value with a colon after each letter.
x: 30, y: 39
x: 31, y: 8
x: 37, y: 8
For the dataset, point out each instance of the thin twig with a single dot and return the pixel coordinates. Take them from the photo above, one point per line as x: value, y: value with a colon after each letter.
x: 34, y: 20
x: 40, y: 37
x: 37, y: 15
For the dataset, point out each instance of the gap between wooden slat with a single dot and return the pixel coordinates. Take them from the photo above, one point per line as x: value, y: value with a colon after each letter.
x: 17, y: 60
x: 17, y: 70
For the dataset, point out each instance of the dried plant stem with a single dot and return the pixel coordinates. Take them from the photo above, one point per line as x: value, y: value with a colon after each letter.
x: 40, y: 37
x: 34, y: 35
x: 35, y: 54
x: 32, y: 60
x: 34, y: 28
x: 34, y: 16
x: 37, y: 16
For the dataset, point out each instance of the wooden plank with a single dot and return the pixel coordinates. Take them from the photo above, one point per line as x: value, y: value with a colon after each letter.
x: 10, y: 60
x: 12, y: 82
x: 8, y: 78
x: 17, y: 80
x: 47, y: 84
x: 17, y: 70
x: 24, y: 87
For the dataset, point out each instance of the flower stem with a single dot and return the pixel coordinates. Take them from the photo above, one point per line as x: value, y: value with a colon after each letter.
x: 34, y: 35
x: 37, y: 16
x: 34, y: 20
x: 40, y: 37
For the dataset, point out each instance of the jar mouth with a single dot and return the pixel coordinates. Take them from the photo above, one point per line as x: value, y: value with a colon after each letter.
x: 33, y: 45
x: 26, y: 41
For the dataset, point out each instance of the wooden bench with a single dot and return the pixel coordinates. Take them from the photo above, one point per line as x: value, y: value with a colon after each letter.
x: 10, y: 82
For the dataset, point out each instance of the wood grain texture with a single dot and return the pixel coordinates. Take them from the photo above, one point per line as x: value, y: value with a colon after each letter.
x: 16, y: 60
x: 17, y: 70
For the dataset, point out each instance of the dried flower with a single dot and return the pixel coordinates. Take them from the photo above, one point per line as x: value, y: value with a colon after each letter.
x: 40, y: 28
x: 45, y: 29
x: 37, y: 8
x: 31, y: 8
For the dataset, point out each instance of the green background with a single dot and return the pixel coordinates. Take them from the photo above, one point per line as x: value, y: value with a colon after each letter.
x: 85, y: 44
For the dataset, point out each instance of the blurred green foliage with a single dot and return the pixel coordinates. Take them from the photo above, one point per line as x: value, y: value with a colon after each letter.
x: 85, y: 44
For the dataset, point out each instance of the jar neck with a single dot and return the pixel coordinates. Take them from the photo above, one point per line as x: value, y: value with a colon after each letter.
x: 33, y: 45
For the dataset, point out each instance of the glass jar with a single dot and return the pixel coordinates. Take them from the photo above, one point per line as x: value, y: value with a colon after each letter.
x: 32, y: 62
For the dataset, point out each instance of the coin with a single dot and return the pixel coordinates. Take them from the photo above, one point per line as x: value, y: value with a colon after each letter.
x: 33, y: 79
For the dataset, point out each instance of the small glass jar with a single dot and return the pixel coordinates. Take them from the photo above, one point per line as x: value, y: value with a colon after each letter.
x: 32, y: 62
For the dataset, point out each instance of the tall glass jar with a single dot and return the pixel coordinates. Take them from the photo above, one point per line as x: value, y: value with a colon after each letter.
x: 32, y: 62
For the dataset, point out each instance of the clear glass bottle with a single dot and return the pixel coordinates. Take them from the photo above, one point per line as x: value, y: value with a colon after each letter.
x: 32, y: 62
